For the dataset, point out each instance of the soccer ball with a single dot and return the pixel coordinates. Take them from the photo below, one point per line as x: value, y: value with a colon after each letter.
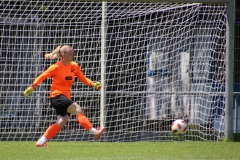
x: 179, y: 126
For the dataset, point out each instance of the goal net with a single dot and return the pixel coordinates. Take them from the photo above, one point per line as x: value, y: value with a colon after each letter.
x: 162, y: 61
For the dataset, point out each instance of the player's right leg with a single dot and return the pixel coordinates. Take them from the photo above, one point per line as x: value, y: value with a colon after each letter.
x: 60, y: 103
x: 52, y: 130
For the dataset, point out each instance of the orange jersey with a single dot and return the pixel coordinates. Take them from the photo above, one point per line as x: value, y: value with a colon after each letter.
x: 62, y: 78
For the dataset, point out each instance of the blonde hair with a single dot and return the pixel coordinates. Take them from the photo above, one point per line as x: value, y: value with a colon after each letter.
x: 57, y: 53
x: 54, y: 54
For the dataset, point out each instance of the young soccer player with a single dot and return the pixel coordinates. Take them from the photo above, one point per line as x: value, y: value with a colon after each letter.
x: 63, y: 73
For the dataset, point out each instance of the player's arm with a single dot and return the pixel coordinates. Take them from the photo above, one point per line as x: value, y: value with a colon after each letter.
x: 86, y: 80
x: 48, y: 73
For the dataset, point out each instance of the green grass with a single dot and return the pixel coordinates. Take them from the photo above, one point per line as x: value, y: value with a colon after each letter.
x: 121, y: 150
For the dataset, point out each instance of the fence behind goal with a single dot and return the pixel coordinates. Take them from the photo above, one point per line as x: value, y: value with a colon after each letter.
x: 162, y: 61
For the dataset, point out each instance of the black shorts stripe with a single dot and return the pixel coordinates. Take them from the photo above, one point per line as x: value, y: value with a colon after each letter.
x: 61, y: 103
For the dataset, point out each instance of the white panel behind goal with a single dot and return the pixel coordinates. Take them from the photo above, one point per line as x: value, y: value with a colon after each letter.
x: 163, y: 61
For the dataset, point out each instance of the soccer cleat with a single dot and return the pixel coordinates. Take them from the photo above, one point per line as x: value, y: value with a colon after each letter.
x: 99, y: 132
x: 39, y: 144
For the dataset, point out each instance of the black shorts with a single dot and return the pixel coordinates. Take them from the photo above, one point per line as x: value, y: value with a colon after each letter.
x: 61, y: 103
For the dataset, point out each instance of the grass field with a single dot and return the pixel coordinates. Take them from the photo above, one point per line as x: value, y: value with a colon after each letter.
x: 121, y: 150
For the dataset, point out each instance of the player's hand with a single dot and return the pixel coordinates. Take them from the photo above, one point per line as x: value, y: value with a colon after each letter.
x: 28, y: 91
x: 97, y: 85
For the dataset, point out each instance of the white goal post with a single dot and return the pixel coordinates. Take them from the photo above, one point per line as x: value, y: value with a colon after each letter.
x: 157, y: 61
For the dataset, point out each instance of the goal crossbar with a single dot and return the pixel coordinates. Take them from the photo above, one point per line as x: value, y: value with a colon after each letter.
x: 166, y: 1
x: 173, y: 1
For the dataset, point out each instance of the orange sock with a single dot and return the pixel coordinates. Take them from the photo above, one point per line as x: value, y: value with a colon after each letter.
x: 52, y: 131
x: 83, y: 120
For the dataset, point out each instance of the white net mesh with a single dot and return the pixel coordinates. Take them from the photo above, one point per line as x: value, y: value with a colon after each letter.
x: 163, y: 61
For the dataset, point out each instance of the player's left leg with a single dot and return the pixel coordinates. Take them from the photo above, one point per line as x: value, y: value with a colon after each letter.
x: 83, y: 120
